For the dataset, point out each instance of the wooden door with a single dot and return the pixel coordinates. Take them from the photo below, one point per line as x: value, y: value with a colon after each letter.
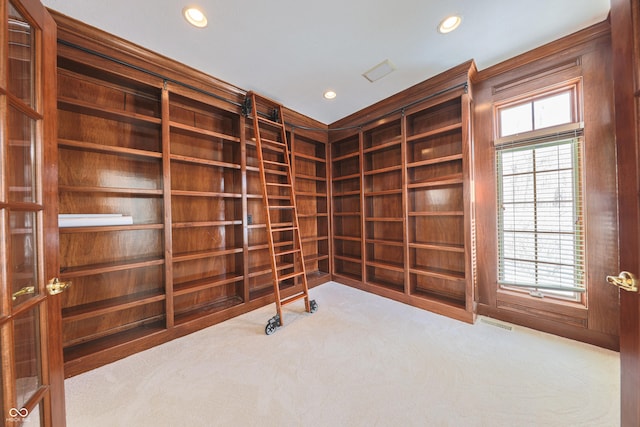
x: 31, y: 368
x: 625, y: 31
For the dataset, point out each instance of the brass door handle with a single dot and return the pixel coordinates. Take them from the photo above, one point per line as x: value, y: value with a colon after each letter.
x: 24, y: 291
x: 624, y: 280
x: 55, y: 286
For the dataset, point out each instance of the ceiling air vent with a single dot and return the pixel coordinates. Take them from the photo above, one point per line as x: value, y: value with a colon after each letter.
x: 379, y: 71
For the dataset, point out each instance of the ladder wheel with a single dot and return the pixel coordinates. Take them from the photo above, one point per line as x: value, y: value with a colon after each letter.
x: 313, y: 306
x: 270, y: 328
x: 272, y: 325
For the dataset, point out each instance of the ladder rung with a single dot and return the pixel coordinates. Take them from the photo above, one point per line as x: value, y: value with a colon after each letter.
x: 290, y: 275
x: 293, y: 298
x: 285, y: 266
x: 272, y: 142
x: 280, y: 230
x: 269, y: 121
x: 292, y: 251
x: 271, y: 162
x: 281, y: 207
x: 277, y: 184
x: 275, y: 172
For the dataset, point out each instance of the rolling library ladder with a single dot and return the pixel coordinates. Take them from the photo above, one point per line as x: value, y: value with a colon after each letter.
x: 281, y: 213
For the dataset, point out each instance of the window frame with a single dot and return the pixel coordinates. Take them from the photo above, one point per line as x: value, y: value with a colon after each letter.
x: 550, y: 134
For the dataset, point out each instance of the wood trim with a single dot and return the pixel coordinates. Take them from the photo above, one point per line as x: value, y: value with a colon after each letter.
x: 550, y: 326
x: 441, y: 82
x: 563, y: 47
x: 586, y: 56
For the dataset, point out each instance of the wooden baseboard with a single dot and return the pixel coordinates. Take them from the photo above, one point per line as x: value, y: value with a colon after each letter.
x: 565, y: 330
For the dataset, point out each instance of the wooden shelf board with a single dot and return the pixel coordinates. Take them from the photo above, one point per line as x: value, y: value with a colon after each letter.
x: 188, y: 193
x: 182, y: 257
x: 434, y: 161
x: 396, y: 141
x: 314, y: 239
x: 315, y: 215
x: 346, y: 177
x: 346, y: 214
x: 440, y: 273
x: 348, y: 258
x: 260, y: 292
x: 265, y: 246
x: 384, y: 242
x: 346, y: 193
x: 315, y: 257
x: 109, y: 342
x: 349, y: 238
x: 193, y: 224
x: 385, y: 265
x: 383, y: 219
x: 382, y: 193
x: 216, y: 306
x: 310, y: 194
x: 437, y: 247
x: 437, y: 213
x: 104, y: 228
x: 383, y: 170
x: 199, y: 131
x: 109, y: 149
x: 438, y: 182
x: 100, y: 308
x: 87, y: 108
x: 201, y: 161
x: 440, y: 298
x: 309, y: 157
x: 87, y: 270
x: 433, y: 132
x: 347, y: 275
x: 265, y: 269
x: 386, y: 285
x: 206, y: 283
x: 346, y: 156
x: 110, y: 190
x: 311, y: 177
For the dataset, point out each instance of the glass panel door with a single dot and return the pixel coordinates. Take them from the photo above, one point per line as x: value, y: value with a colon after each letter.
x: 25, y: 306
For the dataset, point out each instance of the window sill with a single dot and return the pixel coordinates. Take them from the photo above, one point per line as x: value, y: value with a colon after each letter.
x: 547, y: 308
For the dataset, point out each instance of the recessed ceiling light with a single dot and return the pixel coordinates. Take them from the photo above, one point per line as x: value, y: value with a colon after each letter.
x: 195, y: 16
x: 329, y: 94
x: 449, y: 24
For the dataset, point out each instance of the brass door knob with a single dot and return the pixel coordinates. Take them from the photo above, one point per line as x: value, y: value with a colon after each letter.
x: 624, y: 280
x: 55, y: 286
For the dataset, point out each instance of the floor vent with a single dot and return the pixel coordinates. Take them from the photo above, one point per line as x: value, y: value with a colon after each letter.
x: 497, y: 323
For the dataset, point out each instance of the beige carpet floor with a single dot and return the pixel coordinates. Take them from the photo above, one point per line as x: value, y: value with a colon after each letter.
x: 360, y: 360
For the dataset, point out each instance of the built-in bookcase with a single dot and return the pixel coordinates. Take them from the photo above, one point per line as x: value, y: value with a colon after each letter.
x: 383, y: 212
x: 347, y: 213
x: 403, y: 219
x: 110, y: 162
x: 182, y: 167
x: 309, y: 169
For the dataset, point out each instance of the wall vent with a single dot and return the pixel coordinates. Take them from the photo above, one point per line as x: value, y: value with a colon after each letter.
x: 497, y: 324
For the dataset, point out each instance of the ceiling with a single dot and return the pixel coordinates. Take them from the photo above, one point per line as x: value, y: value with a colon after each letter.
x: 294, y: 50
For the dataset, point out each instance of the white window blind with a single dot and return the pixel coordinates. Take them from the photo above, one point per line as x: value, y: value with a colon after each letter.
x: 540, y: 215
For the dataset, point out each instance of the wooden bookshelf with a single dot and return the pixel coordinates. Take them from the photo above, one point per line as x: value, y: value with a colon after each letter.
x: 346, y: 207
x: 183, y: 165
x: 403, y: 199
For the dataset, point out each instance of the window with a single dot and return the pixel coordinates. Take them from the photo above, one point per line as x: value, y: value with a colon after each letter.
x: 540, y: 207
